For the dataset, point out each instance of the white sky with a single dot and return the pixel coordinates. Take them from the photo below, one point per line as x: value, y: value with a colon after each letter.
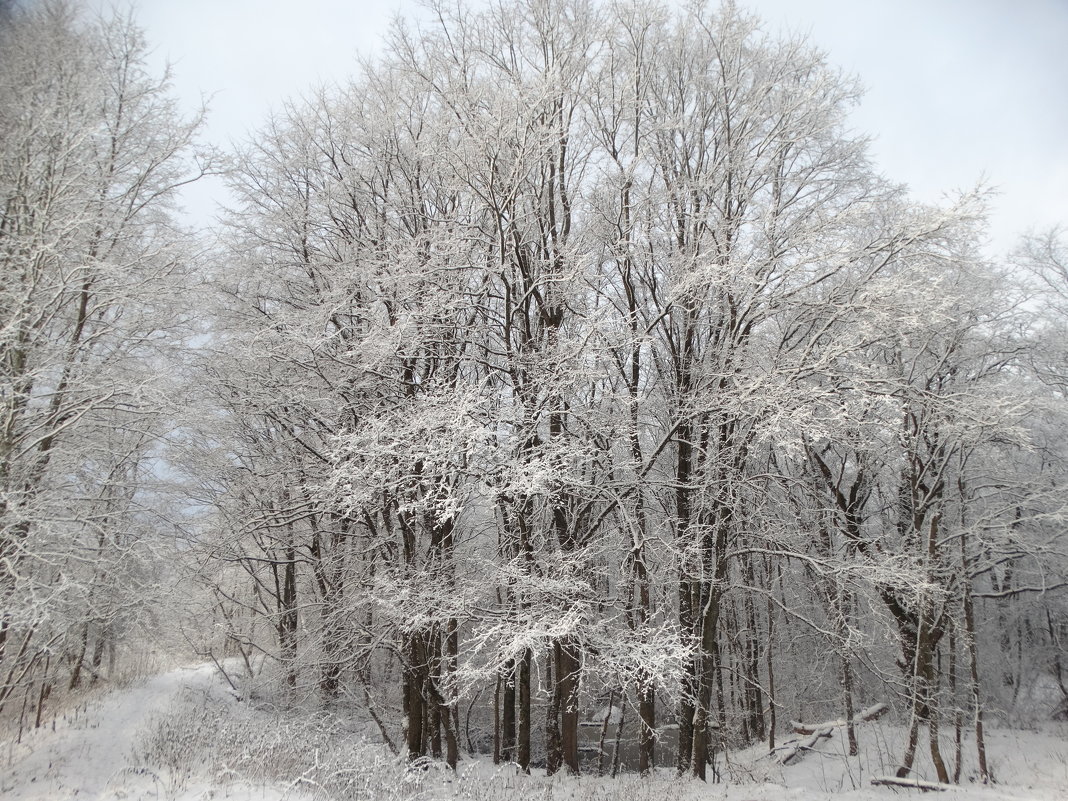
x: 958, y: 91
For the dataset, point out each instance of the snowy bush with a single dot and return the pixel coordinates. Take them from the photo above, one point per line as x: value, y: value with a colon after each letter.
x: 305, y: 750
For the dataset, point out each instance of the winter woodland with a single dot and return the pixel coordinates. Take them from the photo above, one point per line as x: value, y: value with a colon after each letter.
x: 565, y: 389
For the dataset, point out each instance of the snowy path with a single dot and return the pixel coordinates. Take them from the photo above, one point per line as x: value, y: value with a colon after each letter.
x: 90, y: 758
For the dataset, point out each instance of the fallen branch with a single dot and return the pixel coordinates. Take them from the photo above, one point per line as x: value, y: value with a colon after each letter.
x: 815, y: 732
x: 916, y: 784
x: 378, y: 721
x: 789, y: 751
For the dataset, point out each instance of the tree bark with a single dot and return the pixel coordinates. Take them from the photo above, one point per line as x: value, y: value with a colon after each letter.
x: 523, y: 755
x: 508, y: 712
x: 567, y: 677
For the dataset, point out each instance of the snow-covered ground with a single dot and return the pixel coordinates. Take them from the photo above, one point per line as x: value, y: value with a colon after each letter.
x: 159, y: 739
x: 92, y: 753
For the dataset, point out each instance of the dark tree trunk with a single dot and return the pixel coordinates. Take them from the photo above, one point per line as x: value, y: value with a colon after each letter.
x: 754, y: 694
x: 288, y: 623
x: 523, y: 755
x: 414, y: 680
x: 567, y: 677
x: 554, y: 756
x: 687, y: 703
x: 687, y: 611
x: 450, y: 710
x: 497, y: 720
x: 646, y: 728
x: 973, y: 674
x: 102, y: 639
x: 703, y: 722
x: 508, y: 712
x: 79, y: 658
x: 847, y: 692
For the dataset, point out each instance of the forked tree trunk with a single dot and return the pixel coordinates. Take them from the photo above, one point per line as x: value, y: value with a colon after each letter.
x: 923, y: 687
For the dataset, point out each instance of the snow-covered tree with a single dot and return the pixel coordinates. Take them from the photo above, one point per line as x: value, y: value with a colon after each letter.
x: 575, y: 353
x: 92, y: 152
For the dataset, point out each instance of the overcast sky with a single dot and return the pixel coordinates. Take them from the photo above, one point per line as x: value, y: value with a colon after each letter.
x: 958, y: 91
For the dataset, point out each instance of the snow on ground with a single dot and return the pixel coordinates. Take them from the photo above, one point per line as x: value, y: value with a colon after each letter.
x: 1027, y: 765
x: 93, y: 755
x: 106, y: 753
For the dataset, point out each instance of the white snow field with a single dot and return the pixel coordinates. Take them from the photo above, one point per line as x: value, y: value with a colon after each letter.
x: 182, y: 736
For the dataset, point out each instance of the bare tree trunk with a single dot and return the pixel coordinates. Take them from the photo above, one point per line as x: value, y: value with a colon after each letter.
x: 604, y: 732
x: 924, y: 688
x: 689, y: 601
x: 102, y: 638
x: 553, y: 749
x: 847, y: 691
x: 688, y: 700
x: 508, y: 712
x: 910, y: 748
x: 497, y: 720
x: 770, y: 667
x: 616, y: 750
x: 844, y: 602
x: 646, y: 728
x: 450, y: 710
x: 328, y: 581
x: 416, y: 704
x: 289, y: 623
x: 567, y: 678
x: 523, y: 756
x: 933, y: 731
x: 970, y: 638
x: 958, y: 715
x: 973, y: 673
x: 709, y: 667
x: 436, y: 708
x: 45, y: 691
x: 76, y: 672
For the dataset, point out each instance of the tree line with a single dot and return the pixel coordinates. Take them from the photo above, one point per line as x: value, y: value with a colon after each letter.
x: 92, y: 154
x: 571, y: 357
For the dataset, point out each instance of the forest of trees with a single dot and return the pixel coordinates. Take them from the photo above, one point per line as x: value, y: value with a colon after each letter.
x: 573, y: 359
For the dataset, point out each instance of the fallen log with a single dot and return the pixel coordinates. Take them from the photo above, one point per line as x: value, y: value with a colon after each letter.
x: 871, y: 713
x: 913, y: 784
